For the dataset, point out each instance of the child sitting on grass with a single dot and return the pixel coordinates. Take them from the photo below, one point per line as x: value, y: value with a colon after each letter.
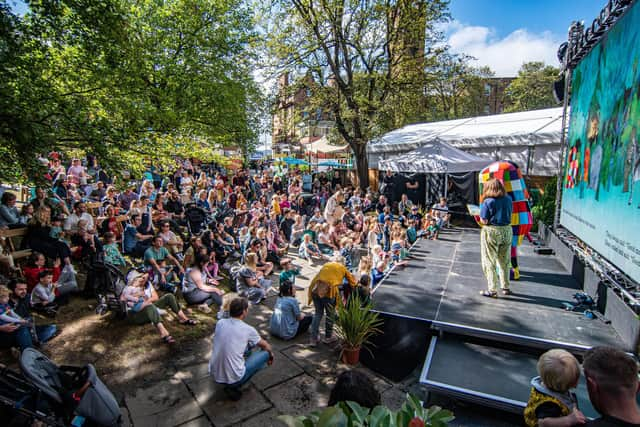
x: 551, y: 403
x: 112, y: 254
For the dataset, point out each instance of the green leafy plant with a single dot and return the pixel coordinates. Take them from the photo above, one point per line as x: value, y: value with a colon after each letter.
x: 355, y: 323
x: 351, y: 414
x: 546, y: 206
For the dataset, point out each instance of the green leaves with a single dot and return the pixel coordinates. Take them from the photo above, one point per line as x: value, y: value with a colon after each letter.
x: 351, y: 414
x: 130, y: 81
x: 533, y: 88
x: 356, y: 323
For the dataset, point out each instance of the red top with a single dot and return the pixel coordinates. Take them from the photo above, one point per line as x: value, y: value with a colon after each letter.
x: 31, y: 275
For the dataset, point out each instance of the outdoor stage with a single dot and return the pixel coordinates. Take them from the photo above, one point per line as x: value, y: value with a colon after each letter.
x: 478, y: 348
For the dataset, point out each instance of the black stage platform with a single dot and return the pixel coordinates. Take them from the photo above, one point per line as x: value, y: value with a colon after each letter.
x: 442, y: 284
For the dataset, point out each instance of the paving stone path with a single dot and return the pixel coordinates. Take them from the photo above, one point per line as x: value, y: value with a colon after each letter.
x: 298, y: 382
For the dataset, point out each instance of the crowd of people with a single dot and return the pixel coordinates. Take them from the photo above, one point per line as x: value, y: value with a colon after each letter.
x: 184, y: 230
x: 178, y: 236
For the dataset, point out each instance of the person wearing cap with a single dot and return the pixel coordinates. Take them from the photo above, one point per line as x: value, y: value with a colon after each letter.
x: 415, y: 214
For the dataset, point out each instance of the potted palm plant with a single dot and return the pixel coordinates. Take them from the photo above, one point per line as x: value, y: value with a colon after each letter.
x: 355, y: 323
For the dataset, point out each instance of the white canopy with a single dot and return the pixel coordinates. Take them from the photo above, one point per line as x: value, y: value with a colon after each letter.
x: 322, y: 145
x: 435, y: 157
x: 530, y: 138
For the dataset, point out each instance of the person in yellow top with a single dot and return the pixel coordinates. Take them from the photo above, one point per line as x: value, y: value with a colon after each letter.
x: 275, y: 205
x: 323, y: 292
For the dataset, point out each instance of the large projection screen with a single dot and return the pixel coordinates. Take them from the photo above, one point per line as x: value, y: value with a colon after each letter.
x: 601, y: 188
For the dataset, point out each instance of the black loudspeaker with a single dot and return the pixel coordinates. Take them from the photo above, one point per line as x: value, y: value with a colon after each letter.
x: 543, y: 250
x: 558, y: 90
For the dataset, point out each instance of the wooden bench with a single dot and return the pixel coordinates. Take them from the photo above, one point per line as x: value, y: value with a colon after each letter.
x: 8, y: 236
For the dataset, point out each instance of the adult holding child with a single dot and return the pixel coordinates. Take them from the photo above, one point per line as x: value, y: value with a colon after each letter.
x: 198, y: 289
x: 495, y: 237
x: 144, y: 304
x: 612, y: 382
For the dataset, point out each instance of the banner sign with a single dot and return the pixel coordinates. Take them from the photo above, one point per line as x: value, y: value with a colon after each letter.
x: 601, y: 194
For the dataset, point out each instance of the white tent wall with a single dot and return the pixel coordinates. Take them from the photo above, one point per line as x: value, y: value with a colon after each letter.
x: 531, y: 139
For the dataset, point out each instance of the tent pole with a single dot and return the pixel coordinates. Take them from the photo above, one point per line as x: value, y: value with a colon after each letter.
x: 446, y: 184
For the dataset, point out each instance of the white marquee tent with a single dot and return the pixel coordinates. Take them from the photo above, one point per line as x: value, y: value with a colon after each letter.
x: 435, y: 157
x: 531, y: 139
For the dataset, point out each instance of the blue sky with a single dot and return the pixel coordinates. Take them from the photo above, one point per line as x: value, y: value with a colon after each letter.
x: 503, y: 34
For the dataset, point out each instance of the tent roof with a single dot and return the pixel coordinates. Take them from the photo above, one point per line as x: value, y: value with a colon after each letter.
x: 322, y: 146
x: 435, y: 157
x: 525, y: 128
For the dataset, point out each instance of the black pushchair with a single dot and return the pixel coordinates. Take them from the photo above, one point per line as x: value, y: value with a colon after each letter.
x: 106, y: 283
x: 197, y: 219
x: 56, y: 395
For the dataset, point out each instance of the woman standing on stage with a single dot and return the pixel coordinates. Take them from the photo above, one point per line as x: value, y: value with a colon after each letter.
x: 495, y: 238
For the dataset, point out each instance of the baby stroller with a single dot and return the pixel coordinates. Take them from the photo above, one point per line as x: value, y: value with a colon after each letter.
x: 196, y: 219
x: 106, y: 282
x: 56, y: 395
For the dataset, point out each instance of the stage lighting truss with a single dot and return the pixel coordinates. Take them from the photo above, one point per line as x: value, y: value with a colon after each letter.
x: 610, y: 276
x: 581, y: 40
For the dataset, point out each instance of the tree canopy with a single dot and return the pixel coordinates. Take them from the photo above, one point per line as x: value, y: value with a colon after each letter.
x: 129, y: 81
x: 367, y: 58
x: 533, y: 88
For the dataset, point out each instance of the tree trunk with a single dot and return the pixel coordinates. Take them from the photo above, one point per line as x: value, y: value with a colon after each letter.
x: 362, y: 164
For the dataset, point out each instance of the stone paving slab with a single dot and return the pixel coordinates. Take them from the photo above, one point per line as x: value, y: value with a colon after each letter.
x: 301, y: 395
x: 166, y: 403
x: 316, y: 361
x: 265, y: 419
x: 282, y: 370
x: 198, y: 422
x: 223, y: 412
x: 193, y: 373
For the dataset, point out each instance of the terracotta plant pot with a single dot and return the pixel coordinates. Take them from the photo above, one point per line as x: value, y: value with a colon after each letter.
x: 351, y: 356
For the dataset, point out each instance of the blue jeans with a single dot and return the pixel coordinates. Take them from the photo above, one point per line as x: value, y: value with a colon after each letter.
x: 323, y: 306
x: 256, y: 361
x: 24, y: 339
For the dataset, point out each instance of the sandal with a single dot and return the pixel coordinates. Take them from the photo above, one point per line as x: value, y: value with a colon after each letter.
x: 489, y: 294
x: 507, y: 292
x: 189, y: 322
x: 168, y: 340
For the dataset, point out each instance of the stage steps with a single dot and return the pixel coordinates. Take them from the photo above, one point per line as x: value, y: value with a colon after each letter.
x: 469, y: 369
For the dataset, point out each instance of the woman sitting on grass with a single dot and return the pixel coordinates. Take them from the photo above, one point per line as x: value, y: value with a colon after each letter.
x: 144, y: 305
x: 198, y: 289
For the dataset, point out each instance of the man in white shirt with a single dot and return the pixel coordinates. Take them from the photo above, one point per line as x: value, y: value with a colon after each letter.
x: 71, y: 223
x: 232, y: 361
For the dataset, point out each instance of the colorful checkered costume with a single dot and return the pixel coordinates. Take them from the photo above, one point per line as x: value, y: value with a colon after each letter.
x: 521, y: 220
